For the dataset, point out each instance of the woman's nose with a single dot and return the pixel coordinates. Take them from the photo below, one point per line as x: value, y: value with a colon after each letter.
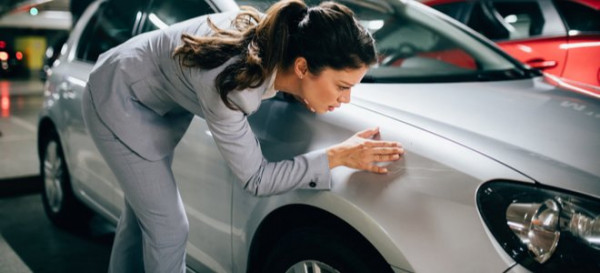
x: 344, y: 97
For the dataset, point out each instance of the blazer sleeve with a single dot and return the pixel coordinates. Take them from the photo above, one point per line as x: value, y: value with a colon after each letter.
x: 241, y: 149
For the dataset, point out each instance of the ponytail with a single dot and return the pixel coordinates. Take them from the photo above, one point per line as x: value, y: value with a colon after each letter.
x: 275, y: 30
x: 289, y: 29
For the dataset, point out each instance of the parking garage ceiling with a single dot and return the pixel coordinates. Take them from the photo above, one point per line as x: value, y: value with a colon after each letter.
x: 10, y: 5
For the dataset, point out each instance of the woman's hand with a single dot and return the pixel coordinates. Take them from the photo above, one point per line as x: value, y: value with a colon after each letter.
x: 364, y: 149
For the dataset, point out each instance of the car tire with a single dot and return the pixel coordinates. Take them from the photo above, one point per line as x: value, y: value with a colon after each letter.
x: 60, y: 204
x: 314, y: 249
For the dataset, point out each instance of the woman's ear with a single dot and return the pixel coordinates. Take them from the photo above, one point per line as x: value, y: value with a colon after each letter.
x: 300, y: 67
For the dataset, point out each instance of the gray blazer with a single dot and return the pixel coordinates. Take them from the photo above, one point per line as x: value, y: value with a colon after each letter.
x: 148, y: 100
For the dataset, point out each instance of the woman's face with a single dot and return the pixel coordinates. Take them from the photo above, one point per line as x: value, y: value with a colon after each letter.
x: 330, y: 88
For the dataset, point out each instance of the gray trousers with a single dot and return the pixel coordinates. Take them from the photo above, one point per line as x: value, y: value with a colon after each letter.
x: 153, y: 228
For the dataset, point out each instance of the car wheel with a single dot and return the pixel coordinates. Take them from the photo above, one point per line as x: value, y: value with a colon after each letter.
x: 314, y: 249
x: 60, y: 203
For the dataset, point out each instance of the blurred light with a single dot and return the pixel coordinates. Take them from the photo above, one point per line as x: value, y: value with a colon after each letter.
x: 76, y: 81
x: 64, y: 49
x: 578, y: 45
x: 511, y: 19
x: 373, y: 25
x: 33, y: 11
x: 3, y: 56
x: 4, y: 98
x: 19, y: 55
x: 574, y: 32
x: 156, y: 21
x: 57, y: 14
x: 525, y: 48
x: 558, y: 81
x: 49, y: 52
x: 138, y: 16
x: 2, y: 44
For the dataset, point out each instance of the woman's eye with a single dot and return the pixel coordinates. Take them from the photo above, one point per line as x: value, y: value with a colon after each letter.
x: 343, y: 88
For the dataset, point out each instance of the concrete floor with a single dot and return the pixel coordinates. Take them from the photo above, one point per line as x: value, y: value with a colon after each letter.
x: 20, y: 102
x: 28, y: 240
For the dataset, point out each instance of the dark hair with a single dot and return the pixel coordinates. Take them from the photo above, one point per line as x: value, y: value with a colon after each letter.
x: 327, y: 36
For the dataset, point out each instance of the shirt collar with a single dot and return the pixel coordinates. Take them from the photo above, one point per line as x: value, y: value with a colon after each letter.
x: 270, y: 91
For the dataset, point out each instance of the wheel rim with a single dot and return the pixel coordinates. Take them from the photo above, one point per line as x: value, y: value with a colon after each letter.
x: 53, y: 175
x: 311, y: 266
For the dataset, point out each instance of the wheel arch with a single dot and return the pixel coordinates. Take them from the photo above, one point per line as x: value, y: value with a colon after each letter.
x: 292, y: 216
x: 46, y: 128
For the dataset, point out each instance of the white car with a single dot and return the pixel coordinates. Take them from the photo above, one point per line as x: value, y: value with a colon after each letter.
x: 501, y: 171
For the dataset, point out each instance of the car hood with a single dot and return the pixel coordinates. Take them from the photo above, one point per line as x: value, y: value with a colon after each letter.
x: 548, y: 134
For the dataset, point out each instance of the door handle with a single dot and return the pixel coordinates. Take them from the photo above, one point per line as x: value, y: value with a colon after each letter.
x: 542, y: 64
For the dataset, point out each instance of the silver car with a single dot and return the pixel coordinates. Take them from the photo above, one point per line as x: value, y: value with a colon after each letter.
x: 501, y: 171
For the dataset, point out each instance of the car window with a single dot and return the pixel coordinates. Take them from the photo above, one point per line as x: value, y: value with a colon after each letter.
x: 164, y: 13
x: 507, y: 20
x: 86, y: 38
x: 416, y: 45
x: 483, y: 20
x: 408, y: 45
x: 524, y: 18
x: 579, y: 17
x: 454, y: 10
x: 112, y: 25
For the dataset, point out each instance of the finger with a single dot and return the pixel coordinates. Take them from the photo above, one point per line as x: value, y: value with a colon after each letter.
x: 377, y: 169
x: 384, y: 148
x: 378, y: 144
x: 377, y: 136
x: 369, y: 133
x: 387, y: 150
x: 385, y: 157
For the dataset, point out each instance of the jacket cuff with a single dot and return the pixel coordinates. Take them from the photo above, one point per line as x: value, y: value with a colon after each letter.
x: 318, y: 163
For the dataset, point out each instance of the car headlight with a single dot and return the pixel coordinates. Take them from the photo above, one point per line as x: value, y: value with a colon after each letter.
x: 543, y: 229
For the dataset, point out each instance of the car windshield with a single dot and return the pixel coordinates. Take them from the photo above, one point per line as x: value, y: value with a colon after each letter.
x: 418, y: 45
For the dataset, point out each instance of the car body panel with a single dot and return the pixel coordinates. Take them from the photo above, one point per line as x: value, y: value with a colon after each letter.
x: 96, y: 180
x: 381, y: 206
x: 581, y: 49
x: 202, y: 174
x: 517, y: 137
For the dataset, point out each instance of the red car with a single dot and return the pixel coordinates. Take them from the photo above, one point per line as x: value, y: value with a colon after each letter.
x: 561, y: 37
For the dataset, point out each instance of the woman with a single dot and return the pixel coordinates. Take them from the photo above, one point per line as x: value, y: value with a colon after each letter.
x: 142, y: 95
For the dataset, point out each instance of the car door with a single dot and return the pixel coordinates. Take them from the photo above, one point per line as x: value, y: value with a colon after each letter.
x: 204, y: 181
x: 109, y: 25
x: 529, y: 30
x: 583, y: 22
